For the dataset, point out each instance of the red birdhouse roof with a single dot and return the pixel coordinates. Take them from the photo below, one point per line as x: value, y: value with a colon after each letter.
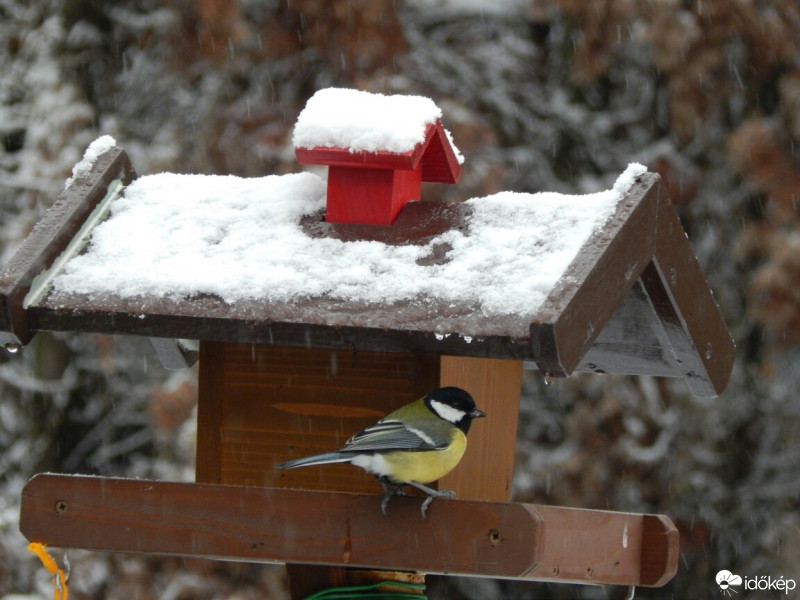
x: 350, y: 128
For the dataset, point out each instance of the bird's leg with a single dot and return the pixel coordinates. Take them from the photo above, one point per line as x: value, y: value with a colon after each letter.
x: 389, y: 491
x: 431, y: 495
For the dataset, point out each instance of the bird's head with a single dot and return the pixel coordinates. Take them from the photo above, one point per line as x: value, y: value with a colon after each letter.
x: 454, y: 405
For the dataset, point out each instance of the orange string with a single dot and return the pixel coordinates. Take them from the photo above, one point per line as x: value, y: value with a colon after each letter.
x: 60, y: 591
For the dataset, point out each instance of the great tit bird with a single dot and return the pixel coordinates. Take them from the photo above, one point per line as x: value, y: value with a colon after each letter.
x: 413, y: 445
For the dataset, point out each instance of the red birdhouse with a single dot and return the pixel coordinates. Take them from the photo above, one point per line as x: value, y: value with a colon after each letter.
x: 378, y: 149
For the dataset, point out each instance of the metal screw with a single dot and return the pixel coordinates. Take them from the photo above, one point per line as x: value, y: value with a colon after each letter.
x: 494, y: 538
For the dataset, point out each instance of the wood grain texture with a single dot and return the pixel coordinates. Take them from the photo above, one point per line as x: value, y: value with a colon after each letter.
x: 585, y: 546
x: 487, y: 468
x: 211, y: 393
x: 491, y: 539
x: 660, y: 550
x: 262, y: 405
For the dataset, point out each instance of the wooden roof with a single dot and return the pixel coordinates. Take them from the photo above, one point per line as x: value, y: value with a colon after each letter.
x: 632, y: 301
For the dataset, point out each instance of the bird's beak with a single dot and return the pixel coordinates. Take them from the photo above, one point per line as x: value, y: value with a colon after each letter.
x: 477, y: 413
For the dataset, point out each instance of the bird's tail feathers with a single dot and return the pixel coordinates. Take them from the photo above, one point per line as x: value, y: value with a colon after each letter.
x: 317, y: 459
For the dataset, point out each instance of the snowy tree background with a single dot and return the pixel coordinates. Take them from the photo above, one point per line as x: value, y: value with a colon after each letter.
x: 540, y: 95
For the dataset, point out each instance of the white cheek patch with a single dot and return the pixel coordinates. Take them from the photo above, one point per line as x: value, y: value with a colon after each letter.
x: 374, y: 464
x: 448, y: 413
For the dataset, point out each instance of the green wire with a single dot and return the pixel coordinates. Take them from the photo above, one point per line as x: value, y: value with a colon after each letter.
x: 346, y: 592
x: 336, y: 595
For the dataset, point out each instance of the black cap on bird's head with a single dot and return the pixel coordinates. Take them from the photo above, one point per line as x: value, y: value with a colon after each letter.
x: 454, y: 405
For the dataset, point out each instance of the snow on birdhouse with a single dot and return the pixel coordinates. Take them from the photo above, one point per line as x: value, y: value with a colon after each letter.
x: 245, y: 239
x: 551, y: 278
x: 378, y: 149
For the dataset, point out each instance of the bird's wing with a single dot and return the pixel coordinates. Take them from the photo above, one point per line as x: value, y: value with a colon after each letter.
x: 392, y: 435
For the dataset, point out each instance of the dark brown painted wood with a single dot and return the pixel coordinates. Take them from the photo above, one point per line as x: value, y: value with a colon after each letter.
x: 597, y: 281
x: 50, y: 237
x: 687, y: 311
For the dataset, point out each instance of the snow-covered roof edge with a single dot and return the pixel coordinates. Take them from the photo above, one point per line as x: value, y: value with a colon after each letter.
x: 361, y: 121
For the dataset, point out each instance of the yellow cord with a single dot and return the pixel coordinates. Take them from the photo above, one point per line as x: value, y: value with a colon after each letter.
x: 60, y: 591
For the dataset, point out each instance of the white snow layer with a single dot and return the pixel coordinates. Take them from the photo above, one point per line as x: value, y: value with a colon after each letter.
x: 93, y: 152
x: 363, y: 121
x: 178, y: 235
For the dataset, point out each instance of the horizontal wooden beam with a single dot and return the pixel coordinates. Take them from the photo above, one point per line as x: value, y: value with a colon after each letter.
x: 486, y: 539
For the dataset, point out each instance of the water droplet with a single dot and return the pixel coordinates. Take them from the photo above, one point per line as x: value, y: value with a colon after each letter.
x: 629, y: 271
x: 548, y: 378
x: 673, y: 275
x: 12, y: 348
x: 589, y: 331
x: 709, y: 351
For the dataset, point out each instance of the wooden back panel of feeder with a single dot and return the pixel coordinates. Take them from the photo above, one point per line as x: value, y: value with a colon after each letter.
x: 262, y: 405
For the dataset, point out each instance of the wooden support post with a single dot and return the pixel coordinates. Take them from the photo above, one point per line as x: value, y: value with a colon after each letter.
x: 488, y: 539
x: 486, y: 470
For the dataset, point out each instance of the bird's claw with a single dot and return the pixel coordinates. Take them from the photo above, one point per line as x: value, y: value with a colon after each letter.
x: 431, y: 496
x: 397, y: 490
x: 424, y: 506
x: 390, y: 491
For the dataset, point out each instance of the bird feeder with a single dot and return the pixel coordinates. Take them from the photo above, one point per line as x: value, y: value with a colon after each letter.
x: 310, y: 328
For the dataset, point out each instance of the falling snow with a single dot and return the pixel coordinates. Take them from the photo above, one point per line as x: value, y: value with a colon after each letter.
x: 539, y: 96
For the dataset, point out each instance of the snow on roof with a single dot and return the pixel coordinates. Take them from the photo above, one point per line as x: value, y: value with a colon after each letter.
x: 363, y: 121
x: 93, y: 152
x: 175, y: 236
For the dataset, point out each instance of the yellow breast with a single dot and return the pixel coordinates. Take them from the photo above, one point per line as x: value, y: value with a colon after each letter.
x: 425, y: 467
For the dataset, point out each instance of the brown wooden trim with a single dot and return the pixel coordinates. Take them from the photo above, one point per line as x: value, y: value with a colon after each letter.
x: 687, y: 310
x: 277, y: 525
x: 660, y: 548
x: 210, y: 398
x: 597, y: 281
x: 590, y: 546
x: 491, y: 539
x: 52, y: 234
